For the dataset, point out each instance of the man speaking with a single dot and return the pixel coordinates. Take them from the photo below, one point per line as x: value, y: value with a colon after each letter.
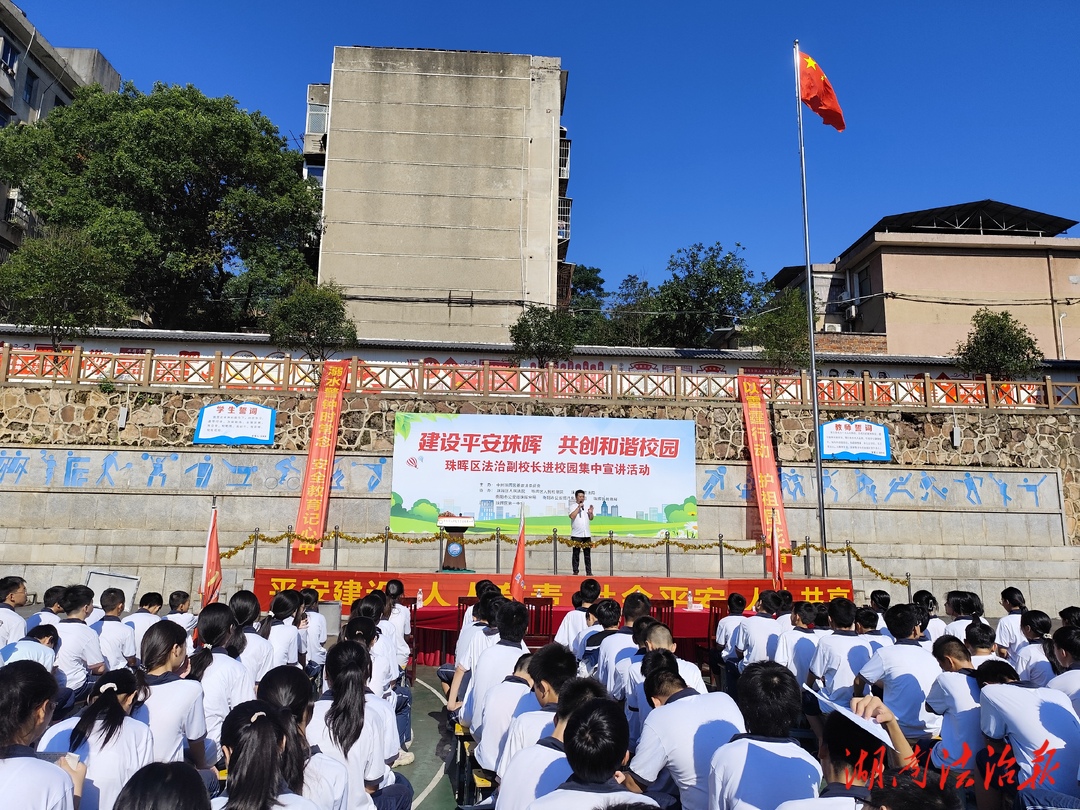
x: 580, y: 532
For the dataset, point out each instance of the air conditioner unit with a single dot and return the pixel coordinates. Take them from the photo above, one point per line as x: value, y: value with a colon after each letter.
x: 851, y: 313
x: 833, y: 327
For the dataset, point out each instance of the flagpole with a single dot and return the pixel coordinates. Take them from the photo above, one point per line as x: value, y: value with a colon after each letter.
x: 810, y: 317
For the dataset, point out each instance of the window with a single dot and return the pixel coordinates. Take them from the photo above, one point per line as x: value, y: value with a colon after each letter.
x: 316, y: 118
x: 59, y: 102
x: 315, y: 172
x: 30, y: 88
x: 859, y: 285
x: 9, y: 57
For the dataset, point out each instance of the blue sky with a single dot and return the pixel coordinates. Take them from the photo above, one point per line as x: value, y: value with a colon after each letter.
x: 682, y: 114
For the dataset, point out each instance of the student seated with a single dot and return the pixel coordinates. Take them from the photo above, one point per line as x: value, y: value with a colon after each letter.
x: 164, y: 785
x: 574, y: 623
x: 50, y: 612
x: 979, y: 639
x: 796, y: 647
x: 180, y: 612
x: 150, y: 605
x: 116, y: 638
x: 963, y: 608
x: 867, y: 623
x: 722, y: 658
x: 497, y: 661
x: 256, y: 653
x: 39, y: 645
x: 1034, y: 660
x: 935, y: 627
x: 839, y: 656
x: 12, y: 595
x: 620, y: 644
x: 79, y: 657
x: 498, y: 711
x: 1008, y: 639
x: 955, y: 696
x: 475, y: 637
x: 657, y: 637
x: 1067, y: 650
x: 624, y: 666
x: 608, y: 615
x: 756, y: 637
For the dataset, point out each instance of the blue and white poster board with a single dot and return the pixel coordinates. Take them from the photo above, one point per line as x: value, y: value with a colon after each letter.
x: 854, y: 440
x: 235, y: 423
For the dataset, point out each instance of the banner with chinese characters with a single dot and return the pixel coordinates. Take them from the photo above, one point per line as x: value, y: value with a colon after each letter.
x: 315, y: 491
x: 638, y: 474
x: 763, y: 462
x: 235, y: 423
x: 444, y: 589
x: 854, y: 440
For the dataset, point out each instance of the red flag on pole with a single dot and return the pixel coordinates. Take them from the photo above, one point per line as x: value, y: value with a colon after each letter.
x: 517, y: 577
x: 778, y: 566
x: 211, y: 573
x: 817, y: 93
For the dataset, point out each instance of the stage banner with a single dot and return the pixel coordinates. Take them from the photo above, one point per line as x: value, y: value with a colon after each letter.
x: 315, y: 491
x: 766, y: 478
x: 443, y: 589
x: 638, y: 474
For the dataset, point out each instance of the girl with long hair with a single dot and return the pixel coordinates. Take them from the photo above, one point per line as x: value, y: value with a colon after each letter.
x: 256, y: 653
x: 1035, y: 660
x: 27, y: 700
x: 935, y: 627
x: 164, y: 786
x: 963, y: 607
x: 225, y: 681
x: 285, y: 622
x: 254, y: 740
x: 112, y: 745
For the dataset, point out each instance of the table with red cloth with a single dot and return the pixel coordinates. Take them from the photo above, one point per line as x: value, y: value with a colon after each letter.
x: 435, y: 630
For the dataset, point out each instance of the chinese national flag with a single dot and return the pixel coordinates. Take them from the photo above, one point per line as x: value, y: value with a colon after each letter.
x: 517, y: 577
x: 211, y: 578
x: 817, y: 93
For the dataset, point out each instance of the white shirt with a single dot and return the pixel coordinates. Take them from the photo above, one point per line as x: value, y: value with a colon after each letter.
x: 525, y: 730
x: 497, y: 712
x: 838, y: 657
x: 572, y: 625
x: 362, y: 761
x: 570, y: 796
x: 467, y: 616
x: 108, y: 767
x: 189, y: 621
x: 725, y: 629
x: 682, y: 736
x: 28, y: 649
x: 833, y: 797
x: 316, y: 637
x: 33, y: 783
x: 579, y: 643
x: 140, y: 621
x: 284, y: 799
x: 978, y: 660
x: 878, y: 639
x: 480, y: 639
x: 623, y: 666
x: 1031, y: 664
x: 579, y: 526
x: 958, y: 627
x: 174, y: 712
x: 326, y: 783
x: 955, y: 696
x: 45, y: 616
x: 639, y: 708
x: 226, y: 683
x: 756, y: 636
x: 465, y: 637
x: 791, y: 774
x: 401, y: 619
x: 1068, y: 683
x: 494, y: 664
x: 117, y: 641
x: 95, y: 615
x: 387, y: 743
x: 935, y: 628
x: 535, y: 771
x: 384, y: 671
x: 907, y: 672
x: 285, y: 639
x: 258, y: 654
x: 12, y: 625
x: 614, y: 648
x: 394, y: 642
x: 79, y: 650
x: 795, y: 650
x: 1028, y: 717
x: 1008, y: 633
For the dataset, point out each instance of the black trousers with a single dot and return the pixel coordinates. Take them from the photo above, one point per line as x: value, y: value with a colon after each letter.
x: 576, y: 554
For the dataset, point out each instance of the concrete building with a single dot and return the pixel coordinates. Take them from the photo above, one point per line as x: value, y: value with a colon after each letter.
x: 35, y: 78
x: 444, y: 189
x: 910, y: 285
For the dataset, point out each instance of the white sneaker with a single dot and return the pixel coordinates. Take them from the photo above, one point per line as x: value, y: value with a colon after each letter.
x: 404, y: 758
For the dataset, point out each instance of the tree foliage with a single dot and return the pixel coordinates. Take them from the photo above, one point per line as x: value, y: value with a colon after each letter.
x: 781, y: 331
x: 312, y: 319
x: 63, y: 283
x: 998, y: 345
x: 187, y: 194
x: 546, y: 334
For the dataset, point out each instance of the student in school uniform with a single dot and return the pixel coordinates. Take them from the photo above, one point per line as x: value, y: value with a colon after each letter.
x: 935, y: 627
x: 954, y: 696
x: 658, y: 636
x: 226, y: 683
x: 574, y: 623
x: 796, y: 647
x: 595, y: 743
x: 316, y: 635
x: 607, y: 615
x: 150, y: 605
x: 286, y: 609
x: 868, y: 623
x: 620, y: 644
x: 879, y: 603
x: 50, y: 612
x: 756, y: 636
x: 385, y: 652
x: 783, y: 611
x: 164, y: 786
x: 1067, y: 650
x: 498, y: 711
x: 256, y: 652
x: 536, y: 770
x: 906, y: 672
x: 314, y: 775
x: 822, y: 623
x: 979, y: 640
x: 180, y: 613
x: 254, y: 740
x: 481, y: 587
x: 591, y: 629
x: 39, y: 645
x: 79, y: 657
x: 497, y: 661
x: 27, y: 691
x: 483, y: 628
x: 963, y: 608
x: 623, y: 686
x: 723, y: 659
x: 1034, y: 660
x: 116, y: 638
x: 1008, y: 638
x: 680, y: 736
x: 837, y: 659
x: 12, y: 596
x: 111, y: 744
x: 770, y: 702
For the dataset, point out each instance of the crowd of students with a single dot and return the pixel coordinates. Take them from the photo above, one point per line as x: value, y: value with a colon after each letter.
x: 819, y: 706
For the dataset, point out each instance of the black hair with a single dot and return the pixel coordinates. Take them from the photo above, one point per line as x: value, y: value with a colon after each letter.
x: 24, y: 686
x: 964, y: 603
x: 768, y: 603
x: 995, y: 672
x: 395, y: 589
x: 158, y: 642
x: 485, y: 586
x: 880, y: 600
x: 950, y: 646
x: 287, y: 604
x: 658, y: 659
x: 8, y: 586
x: 150, y: 599
x: 53, y: 595
x: 786, y: 600
x: 867, y: 618
x: 1067, y: 639
x: 847, y: 742
x: 926, y: 600
x: 663, y: 683
x: 254, y: 734
x: 607, y: 613
x: 42, y: 632
x: 75, y: 597
x: 311, y: 597
x: 103, y: 704
x: 806, y: 611
x: 361, y: 629
x: 384, y: 600
x: 821, y: 615
x: 590, y: 590
x: 596, y: 740
x: 769, y: 698
x: 842, y: 613
x: 979, y: 636
x: 347, y: 665
x: 177, y: 599
x: 111, y: 599
x: 1014, y: 597
x: 659, y: 635
x: 922, y: 617
x: 523, y: 662
x: 901, y: 621
x: 736, y: 604
x: 164, y: 786
x: 898, y: 790
x: 1039, y: 622
x: 578, y: 492
x: 555, y: 664
x: 246, y: 607
x: 977, y: 609
x: 641, y: 628
x: 217, y: 626
x: 484, y: 608
x: 513, y: 622
x: 289, y: 690
x: 575, y: 693
x: 576, y: 599
x: 636, y: 604
x: 1070, y: 616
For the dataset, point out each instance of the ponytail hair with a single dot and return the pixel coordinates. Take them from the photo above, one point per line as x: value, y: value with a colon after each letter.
x: 346, y: 666
x: 1038, y: 622
x: 289, y: 690
x: 254, y: 734
x: 977, y: 609
x: 217, y: 625
x: 158, y: 643
x: 24, y: 686
x: 925, y: 600
x: 104, y: 705
x: 248, y: 611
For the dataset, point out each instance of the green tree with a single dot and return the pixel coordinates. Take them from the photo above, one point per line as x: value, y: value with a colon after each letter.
x: 185, y: 192
x: 998, y: 345
x: 587, y: 299
x: 546, y: 334
x: 706, y: 290
x: 781, y: 331
x: 63, y: 283
x: 312, y: 319
x: 630, y: 314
